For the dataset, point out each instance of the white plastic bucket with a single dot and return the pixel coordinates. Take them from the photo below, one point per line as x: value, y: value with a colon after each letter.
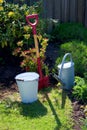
x: 28, y: 86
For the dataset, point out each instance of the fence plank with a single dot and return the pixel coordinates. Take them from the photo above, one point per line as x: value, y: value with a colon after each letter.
x: 44, y: 9
x: 62, y: 9
x: 57, y: 9
x: 48, y: 12
x: 66, y: 10
x: 73, y: 10
x: 80, y: 11
x: 48, y: 8
x: 85, y: 14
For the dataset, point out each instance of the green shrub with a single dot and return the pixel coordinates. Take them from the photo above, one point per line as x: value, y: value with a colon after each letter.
x: 13, y: 26
x: 69, y: 31
x: 84, y: 126
x: 78, y: 50
x: 29, y: 58
x: 16, y: 34
x: 80, y: 90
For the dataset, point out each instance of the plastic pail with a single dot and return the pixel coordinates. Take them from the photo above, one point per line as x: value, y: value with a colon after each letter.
x: 28, y: 86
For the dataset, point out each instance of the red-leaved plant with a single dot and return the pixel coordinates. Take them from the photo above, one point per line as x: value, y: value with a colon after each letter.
x: 29, y: 61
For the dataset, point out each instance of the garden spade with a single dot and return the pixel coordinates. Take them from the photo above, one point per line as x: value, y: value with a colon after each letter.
x: 43, y: 80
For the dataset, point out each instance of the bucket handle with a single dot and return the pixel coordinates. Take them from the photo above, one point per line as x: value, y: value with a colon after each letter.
x: 63, y: 61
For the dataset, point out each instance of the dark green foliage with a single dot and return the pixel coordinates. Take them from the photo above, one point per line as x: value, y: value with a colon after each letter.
x: 14, y: 29
x: 13, y: 22
x: 78, y: 50
x: 69, y: 31
x: 80, y: 90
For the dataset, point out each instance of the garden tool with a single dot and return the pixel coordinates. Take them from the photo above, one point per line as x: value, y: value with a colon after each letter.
x: 43, y: 80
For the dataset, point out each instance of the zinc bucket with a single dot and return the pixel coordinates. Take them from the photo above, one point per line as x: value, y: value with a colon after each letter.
x: 28, y: 86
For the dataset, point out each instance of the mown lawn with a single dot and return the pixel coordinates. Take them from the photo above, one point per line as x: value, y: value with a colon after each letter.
x: 52, y: 111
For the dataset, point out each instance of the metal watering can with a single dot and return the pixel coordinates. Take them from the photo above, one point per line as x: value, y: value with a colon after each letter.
x: 66, y: 72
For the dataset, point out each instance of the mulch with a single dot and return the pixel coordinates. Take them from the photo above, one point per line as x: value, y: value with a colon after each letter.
x: 77, y: 115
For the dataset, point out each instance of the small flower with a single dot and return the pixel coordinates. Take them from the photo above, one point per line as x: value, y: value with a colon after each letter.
x: 44, y: 42
x: 86, y: 114
x: 81, y: 107
x: 26, y: 28
x: 27, y: 36
x: 86, y: 106
x: 22, y: 64
x: 11, y: 14
x: 16, y: 51
x: 27, y: 12
x: 32, y: 50
x: 20, y: 43
x: 1, y: 1
x: 39, y: 37
x: 1, y: 8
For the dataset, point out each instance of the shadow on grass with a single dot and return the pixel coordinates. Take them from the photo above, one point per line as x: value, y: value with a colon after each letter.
x: 31, y: 110
x: 54, y: 112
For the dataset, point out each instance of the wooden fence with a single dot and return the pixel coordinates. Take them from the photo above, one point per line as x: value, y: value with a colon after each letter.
x: 63, y: 10
x: 66, y: 10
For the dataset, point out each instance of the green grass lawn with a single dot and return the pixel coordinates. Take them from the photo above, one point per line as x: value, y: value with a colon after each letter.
x: 52, y: 111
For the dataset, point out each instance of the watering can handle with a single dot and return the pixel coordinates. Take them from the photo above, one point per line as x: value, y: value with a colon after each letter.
x: 33, y: 25
x: 63, y: 61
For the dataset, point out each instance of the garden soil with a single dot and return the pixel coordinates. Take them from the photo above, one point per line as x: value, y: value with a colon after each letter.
x: 10, y: 68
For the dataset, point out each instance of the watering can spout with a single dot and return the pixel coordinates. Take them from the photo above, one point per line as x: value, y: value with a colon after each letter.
x: 58, y: 79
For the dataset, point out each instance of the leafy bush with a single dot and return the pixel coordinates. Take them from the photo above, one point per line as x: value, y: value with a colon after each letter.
x: 13, y: 27
x: 78, y: 50
x: 80, y: 90
x: 17, y: 34
x: 64, y: 32
x: 29, y: 61
x: 84, y: 126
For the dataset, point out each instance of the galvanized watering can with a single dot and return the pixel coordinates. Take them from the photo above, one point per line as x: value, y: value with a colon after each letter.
x: 66, y: 72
